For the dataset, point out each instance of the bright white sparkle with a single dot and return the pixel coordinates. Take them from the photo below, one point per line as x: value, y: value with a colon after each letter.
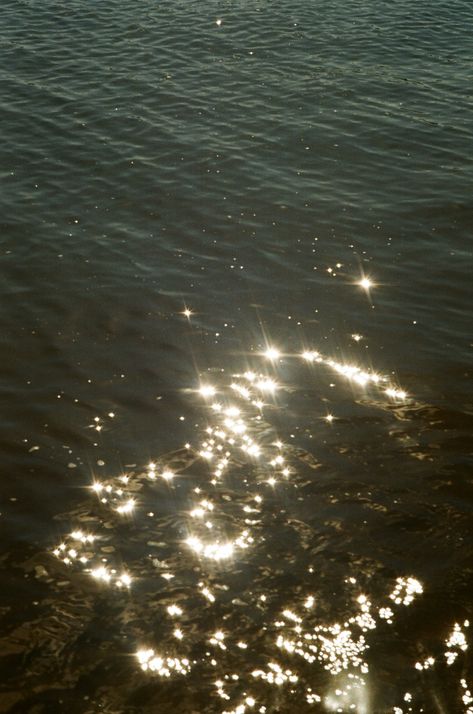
x: 365, y: 283
x: 213, y: 551
x: 310, y: 356
x: 174, y: 610
x: 206, y: 390
x: 125, y: 580
x: 101, y: 574
x: 127, y: 507
x: 266, y: 385
x: 396, y: 393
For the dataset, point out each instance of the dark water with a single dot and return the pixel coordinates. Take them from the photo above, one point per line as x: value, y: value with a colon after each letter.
x: 250, y: 162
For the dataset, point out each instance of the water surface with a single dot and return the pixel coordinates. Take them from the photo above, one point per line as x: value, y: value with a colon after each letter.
x: 249, y: 164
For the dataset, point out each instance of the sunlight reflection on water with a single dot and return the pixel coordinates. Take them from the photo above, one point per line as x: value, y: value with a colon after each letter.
x: 226, y: 523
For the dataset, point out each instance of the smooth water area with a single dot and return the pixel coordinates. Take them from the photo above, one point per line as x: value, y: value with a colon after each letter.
x: 236, y: 348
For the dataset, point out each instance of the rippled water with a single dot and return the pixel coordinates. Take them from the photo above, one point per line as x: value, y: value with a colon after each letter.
x: 190, y: 522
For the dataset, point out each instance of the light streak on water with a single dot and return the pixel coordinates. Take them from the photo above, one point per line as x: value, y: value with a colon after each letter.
x: 357, y: 375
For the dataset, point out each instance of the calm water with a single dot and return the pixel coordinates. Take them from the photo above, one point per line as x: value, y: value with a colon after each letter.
x: 303, y: 538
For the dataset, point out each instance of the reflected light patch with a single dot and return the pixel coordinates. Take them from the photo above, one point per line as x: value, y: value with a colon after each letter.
x: 102, y: 574
x: 238, y: 451
x: 213, y: 551
x: 266, y: 385
x: 311, y: 356
x: 206, y: 390
x: 124, y: 580
x: 149, y: 661
x: 127, y: 507
x: 174, y: 610
x: 396, y: 393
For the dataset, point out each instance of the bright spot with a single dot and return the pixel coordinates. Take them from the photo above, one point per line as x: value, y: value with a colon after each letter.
x: 396, y: 393
x: 174, y: 610
x: 365, y: 283
x: 310, y: 356
x: 207, y: 390
x: 266, y: 385
x: 213, y: 551
x: 125, y: 580
x: 101, y: 574
x: 127, y: 507
x: 272, y: 353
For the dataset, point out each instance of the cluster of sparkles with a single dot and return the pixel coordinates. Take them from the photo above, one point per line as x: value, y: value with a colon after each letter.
x: 340, y: 646
x: 409, y: 700
x: 207, y: 593
x: 348, y: 695
x: 235, y: 434
x: 127, y: 507
x: 115, y: 495
x: 217, y: 640
x: 164, y: 473
x: 275, y: 674
x: 467, y: 697
x: 110, y: 576
x: 405, y: 591
x: 356, y: 375
x: 98, y: 422
x: 149, y: 661
x: 217, y: 550
x: 247, y: 703
x: 425, y: 664
x: 456, y: 643
x: 76, y: 549
x: 174, y: 610
x: 312, y: 697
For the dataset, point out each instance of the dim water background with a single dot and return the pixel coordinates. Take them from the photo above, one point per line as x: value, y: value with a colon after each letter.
x: 250, y: 162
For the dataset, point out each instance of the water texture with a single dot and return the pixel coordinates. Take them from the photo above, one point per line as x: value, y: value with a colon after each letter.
x: 184, y: 186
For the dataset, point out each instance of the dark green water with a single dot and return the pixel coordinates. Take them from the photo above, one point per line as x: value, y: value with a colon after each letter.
x: 252, y: 163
